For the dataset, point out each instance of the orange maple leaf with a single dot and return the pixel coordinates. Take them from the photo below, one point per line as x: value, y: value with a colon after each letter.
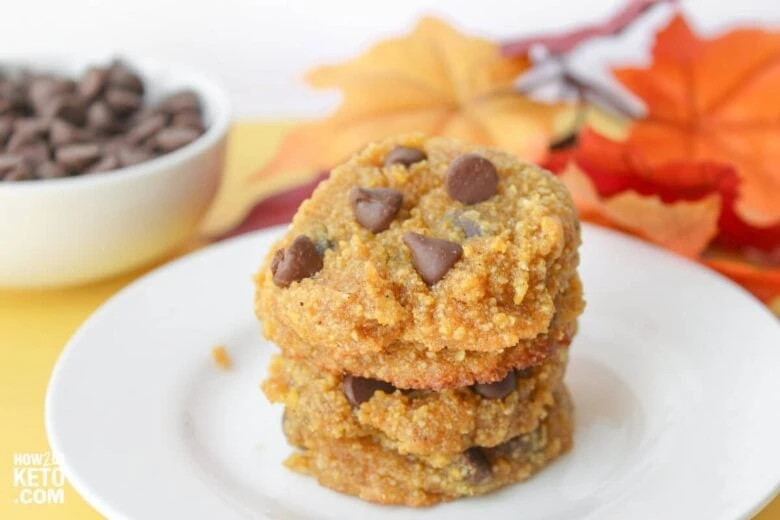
x: 614, y: 167
x: 684, y: 206
x: 684, y: 226
x: 434, y: 80
x: 717, y: 101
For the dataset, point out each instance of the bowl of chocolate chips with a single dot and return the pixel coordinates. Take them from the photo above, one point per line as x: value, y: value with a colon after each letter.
x: 105, y: 166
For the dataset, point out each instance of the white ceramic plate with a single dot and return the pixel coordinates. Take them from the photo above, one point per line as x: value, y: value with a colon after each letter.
x: 674, y: 375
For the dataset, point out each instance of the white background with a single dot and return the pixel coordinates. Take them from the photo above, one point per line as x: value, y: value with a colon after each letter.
x: 259, y: 49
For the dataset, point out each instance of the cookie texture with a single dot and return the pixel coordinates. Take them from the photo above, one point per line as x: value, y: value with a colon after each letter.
x: 419, y: 422
x: 369, y: 297
x: 416, y: 367
x: 365, y: 468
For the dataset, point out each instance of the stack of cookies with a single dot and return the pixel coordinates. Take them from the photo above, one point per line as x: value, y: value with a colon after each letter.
x: 424, y: 300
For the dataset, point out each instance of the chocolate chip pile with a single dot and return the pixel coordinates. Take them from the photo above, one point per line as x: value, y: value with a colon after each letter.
x: 441, y: 417
x: 52, y: 127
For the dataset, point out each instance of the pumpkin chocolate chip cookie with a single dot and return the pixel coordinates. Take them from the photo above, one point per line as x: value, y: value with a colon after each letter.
x: 418, y: 367
x: 364, y: 467
x: 424, y: 300
x: 419, y: 422
x: 445, y: 247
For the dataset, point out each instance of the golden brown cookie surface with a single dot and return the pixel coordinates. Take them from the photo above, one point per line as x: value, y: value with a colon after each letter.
x: 421, y: 422
x: 416, y: 367
x: 365, y: 468
x: 455, y: 266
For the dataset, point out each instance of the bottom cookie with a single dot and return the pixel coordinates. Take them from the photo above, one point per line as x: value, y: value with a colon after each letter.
x: 363, y: 468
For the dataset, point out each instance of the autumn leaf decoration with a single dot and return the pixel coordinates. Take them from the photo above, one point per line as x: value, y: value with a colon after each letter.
x: 700, y: 173
x: 434, y: 80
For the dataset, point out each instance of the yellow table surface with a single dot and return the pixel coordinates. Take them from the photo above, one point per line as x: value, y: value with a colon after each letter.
x: 34, y: 326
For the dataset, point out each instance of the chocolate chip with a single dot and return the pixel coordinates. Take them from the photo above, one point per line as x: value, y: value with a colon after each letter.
x: 35, y: 151
x: 113, y: 145
x: 31, y: 126
x: 432, y: 257
x: 69, y: 108
x: 22, y: 171
x: 18, y: 140
x: 12, y: 95
x: 61, y: 133
x: 276, y: 260
x: 92, y: 83
x: 404, y: 155
x: 375, y: 208
x: 150, y: 145
x: 129, y: 156
x: 5, y: 106
x: 6, y: 127
x: 144, y: 112
x: 25, y: 131
x: 49, y: 170
x: 526, y: 443
x: 189, y: 119
x: 122, y: 102
x: 173, y: 138
x: 8, y: 162
x: 506, y: 449
x: 498, y: 389
x: 360, y: 389
x: 120, y: 76
x: 42, y: 90
x: 146, y: 127
x: 77, y: 157
x: 471, y: 178
x: 481, y: 470
x: 300, y: 260
x: 181, y: 101
x: 100, y: 117
x: 105, y: 164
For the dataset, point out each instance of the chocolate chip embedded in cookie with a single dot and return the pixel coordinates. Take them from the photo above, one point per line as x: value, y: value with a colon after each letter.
x: 471, y: 178
x: 404, y: 155
x: 499, y: 389
x: 375, y: 208
x: 300, y: 260
x: 432, y: 257
x: 360, y: 389
x: 481, y: 470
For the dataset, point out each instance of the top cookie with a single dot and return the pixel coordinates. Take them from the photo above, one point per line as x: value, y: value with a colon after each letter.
x: 424, y: 243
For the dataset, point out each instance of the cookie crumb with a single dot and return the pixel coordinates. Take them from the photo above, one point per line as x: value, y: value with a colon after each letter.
x: 221, y: 357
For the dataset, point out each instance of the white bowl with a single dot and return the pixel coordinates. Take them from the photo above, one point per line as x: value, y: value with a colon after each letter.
x: 78, y: 229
